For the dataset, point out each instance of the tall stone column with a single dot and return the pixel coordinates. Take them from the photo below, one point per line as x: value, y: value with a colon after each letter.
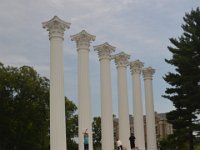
x: 121, y: 61
x: 150, y: 115
x: 136, y: 67
x: 83, y: 40
x: 56, y: 28
x: 104, y: 52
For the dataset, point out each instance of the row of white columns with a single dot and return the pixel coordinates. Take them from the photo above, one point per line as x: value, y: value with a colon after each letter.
x: 56, y: 28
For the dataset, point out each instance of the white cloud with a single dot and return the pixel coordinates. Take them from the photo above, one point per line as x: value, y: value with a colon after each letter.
x: 15, y: 60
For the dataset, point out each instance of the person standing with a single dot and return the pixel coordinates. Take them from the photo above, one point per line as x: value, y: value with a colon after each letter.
x: 86, y: 141
x: 132, y: 141
x: 119, y: 145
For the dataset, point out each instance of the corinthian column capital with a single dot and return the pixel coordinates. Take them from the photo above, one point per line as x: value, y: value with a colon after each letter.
x: 104, y: 51
x: 82, y: 39
x: 56, y: 27
x: 136, y: 67
x: 121, y: 59
x: 148, y: 73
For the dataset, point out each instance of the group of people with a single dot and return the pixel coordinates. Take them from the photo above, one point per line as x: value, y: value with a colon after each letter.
x: 119, y: 143
x: 132, y: 143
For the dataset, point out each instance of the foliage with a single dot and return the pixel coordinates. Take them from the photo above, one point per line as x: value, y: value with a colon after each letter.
x: 172, y: 143
x: 185, y: 82
x: 71, y: 124
x: 197, y: 143
x: 24, y: 111
x: 96, y: 127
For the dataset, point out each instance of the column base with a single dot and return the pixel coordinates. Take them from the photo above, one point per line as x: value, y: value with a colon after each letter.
x: 136, y: 149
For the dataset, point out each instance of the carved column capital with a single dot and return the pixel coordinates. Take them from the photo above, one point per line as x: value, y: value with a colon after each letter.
x: 148, y: 73
x: 121, y: 59
x: 82, y: 39
x: 56, y: 27
x: 104, y: 51
x: 136, y: 67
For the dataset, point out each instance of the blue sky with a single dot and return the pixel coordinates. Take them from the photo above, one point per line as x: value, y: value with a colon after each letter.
x: 141, y: 28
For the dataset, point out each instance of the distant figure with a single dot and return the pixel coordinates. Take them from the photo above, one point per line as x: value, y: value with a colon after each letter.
x: 132, y: 141
x: 119, y: 145
x: 86, y: 141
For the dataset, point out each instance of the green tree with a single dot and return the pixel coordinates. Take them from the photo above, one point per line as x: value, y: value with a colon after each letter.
x: 24, y: 111
x: 24, y: 97
x: 71, y: 124
x: 96, y: 127
x: 184, y: 91
x: 173, y: 143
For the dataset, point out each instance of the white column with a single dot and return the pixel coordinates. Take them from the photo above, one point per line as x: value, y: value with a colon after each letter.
x: 56, y: 28
x: 83, y: 40
x: 150, y: 115
x: 136, y: 67
x: 104, y: 52
x: 121, y: 61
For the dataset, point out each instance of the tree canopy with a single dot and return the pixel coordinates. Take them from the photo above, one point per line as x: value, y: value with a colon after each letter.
x: 184, y: 91
x: 24, y: 111
x: 71, y: 124
x: 24, y: 99
x: 96, y: 128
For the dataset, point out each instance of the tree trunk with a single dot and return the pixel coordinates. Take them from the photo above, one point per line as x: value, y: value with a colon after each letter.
x: 191, y: 143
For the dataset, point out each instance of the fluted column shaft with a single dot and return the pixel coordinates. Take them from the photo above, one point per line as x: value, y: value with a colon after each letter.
x: 56, y: 28
x: 135, y: 67
x: 104, y: 52
x: 121, y: 61
x: 150, y: 115
x: 82, y: 40
x: 84, y: 104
